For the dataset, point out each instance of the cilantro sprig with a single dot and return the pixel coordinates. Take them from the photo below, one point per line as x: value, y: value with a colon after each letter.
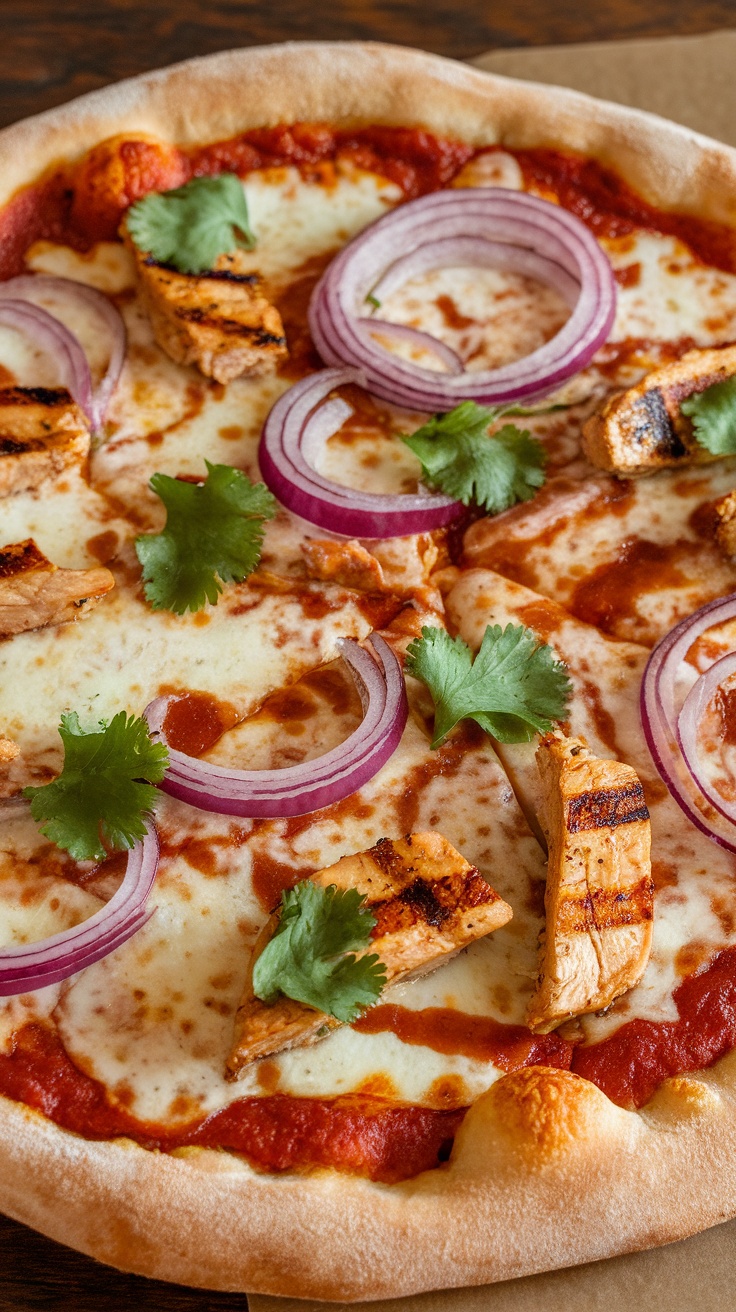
x: 713, y: 413
x: 461, y: 458
x: 311, y: 956
x: 194, y: 224
x: 515, y: 687
x: 213, y: 535
x: 105, y: 792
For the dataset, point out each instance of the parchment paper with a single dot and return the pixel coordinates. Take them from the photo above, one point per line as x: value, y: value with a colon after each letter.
x: 691, y: 80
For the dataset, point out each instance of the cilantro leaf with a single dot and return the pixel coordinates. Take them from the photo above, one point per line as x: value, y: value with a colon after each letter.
x: 190, y: 226
x: 713, y: 413
x: 459, y: 457
x: 99, y: 801
x: 311, y: 956
x: 514, y: 687
x: 213, y: 530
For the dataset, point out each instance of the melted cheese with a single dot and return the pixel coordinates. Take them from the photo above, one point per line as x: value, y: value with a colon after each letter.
x: 153, y: 1021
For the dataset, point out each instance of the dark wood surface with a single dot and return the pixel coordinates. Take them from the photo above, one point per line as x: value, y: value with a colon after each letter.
x: 52, y: 50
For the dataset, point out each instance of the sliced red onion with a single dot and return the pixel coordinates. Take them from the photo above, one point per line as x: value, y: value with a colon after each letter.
x: 298, y: 789
x: 35, y: 965
x: 482, y: 225
x: 693, y: 711
x: 34, y: 291
x: 667, y: 733
x: 293, y: 439
x: 401, y: 332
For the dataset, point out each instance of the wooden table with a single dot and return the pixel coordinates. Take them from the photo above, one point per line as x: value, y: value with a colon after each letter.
x: 53, y: 50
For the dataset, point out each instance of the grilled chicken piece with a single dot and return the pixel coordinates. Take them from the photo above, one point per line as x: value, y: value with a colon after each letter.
x: 35, y: 594
x: 8, y: 751
x: 220, y: 321
x: 429, y: 904
x: 725, y: 525
x: 599, y: 896
x: 642, y: 429
x: 42, y: 433
x: 347, y: 563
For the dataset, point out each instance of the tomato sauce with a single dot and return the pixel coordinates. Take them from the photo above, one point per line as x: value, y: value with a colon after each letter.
x: 509, y: 1047
x: 630, y: 1065
x: 354, y: 1133
x: 610, y: 208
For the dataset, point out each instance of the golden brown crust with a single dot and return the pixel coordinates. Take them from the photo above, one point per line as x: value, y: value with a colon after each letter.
x: 546, y: 1171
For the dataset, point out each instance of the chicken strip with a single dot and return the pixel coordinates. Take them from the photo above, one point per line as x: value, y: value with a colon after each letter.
x: 221, y: 321
x: 642, y: 429
x: 35, y: 594
x: 725, y: 524
x: 599, y: 896
x: 429, y: 904
x: 42, y: 433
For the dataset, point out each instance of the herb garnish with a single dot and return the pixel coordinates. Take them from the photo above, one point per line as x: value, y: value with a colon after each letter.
x: 213, y: 535
x: 713, y: 413
x: 461, y: 459
x: 105, y: 792
x: 311, y: 955
x: 194, y: 224
x: 513, y: 688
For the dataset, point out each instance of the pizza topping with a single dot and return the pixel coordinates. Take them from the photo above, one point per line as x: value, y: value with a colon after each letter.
x: 673, y: 736
x: 490, y: 227
x: 206, y: 305
x: 105, y: 792
x: 33, y: 300
x: 426, y: 903
x: 515, y: 686
x: 35, y: 594
x: 460, y: 458
x: 724, y: 523
x: 294, y: 436
x: 8, y: 750
x: 599, y: 892
x: 299, y: 789
x: 664, y: 421
x: 713, y: 415
x: 311, y: 955
x: 36, y: 965
x: 220, y: 320
x: 191, y: 226
x: 42, y: 434
x: 413, y: 338
x: 213, y: 535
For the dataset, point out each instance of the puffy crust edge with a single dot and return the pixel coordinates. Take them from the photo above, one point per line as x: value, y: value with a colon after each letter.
x: 546, y: 1171
x: 217, y: 96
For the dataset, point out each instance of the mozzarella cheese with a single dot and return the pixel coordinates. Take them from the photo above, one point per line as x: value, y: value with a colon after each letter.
x: 153, y: 1021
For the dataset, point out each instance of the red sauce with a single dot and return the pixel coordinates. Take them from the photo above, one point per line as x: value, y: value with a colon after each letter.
x: 630, y: 1065
x: 610, y: 208
x: 456, y: 1033
x: 355, y: 1133
x: 195, y: 721
x: 611, y: 592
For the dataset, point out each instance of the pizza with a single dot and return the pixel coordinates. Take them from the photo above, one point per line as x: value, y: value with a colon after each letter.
x: 367, y: 870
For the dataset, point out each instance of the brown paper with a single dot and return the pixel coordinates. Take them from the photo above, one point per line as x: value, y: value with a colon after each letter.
x: 691, y: 80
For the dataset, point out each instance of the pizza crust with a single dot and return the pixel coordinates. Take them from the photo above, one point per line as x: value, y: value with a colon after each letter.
x: 546, y: 1171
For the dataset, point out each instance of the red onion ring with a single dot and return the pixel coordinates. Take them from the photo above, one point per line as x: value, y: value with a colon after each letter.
x: 293, y: 438
x: 298, y: 789
x: 35, y: 965
x: 665, y: 731
x: 694, y: 708
x: 27, y: 290
x: 401, y: 332
x: 531, y: 232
